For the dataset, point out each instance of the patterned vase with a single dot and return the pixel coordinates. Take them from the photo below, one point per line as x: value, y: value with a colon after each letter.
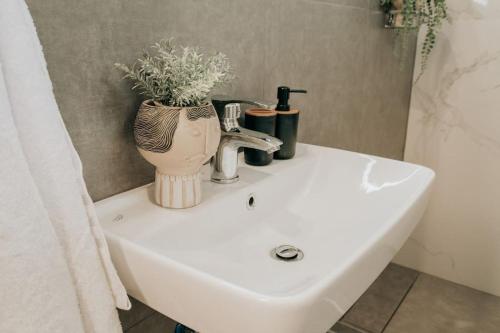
x: 178, y: 141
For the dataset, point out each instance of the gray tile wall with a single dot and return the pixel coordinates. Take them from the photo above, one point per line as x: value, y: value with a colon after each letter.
x: 336, y: 49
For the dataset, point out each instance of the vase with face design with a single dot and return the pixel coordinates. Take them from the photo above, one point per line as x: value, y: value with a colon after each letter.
x: 178, y: 141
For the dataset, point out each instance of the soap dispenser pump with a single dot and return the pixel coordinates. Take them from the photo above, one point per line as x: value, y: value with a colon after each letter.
x: 287, y: 123
x: 284, y: 96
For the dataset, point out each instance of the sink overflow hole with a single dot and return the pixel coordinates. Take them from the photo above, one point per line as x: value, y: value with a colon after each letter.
x: 287, y: 253
x: 251, y: 202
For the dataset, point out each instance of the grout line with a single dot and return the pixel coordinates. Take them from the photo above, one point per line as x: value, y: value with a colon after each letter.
x: 353, y: 327
x: 359, y: 329
x: 400, y: 303
x: 336, y: 4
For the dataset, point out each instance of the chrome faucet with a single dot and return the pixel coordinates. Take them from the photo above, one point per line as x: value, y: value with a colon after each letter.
x: 225, y: 162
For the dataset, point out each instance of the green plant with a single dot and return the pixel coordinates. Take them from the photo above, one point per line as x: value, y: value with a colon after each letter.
x: 177, y: 76
x: 416, y: 13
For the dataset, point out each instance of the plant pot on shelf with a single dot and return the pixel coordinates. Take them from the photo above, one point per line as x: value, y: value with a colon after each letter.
x: 177, y: 141
x: 395, y: 17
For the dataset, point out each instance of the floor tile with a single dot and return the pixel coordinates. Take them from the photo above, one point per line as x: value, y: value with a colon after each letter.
x: 156, y: 323
x: 437, y: 306
x: 376, y: 306
x: 137, y: 313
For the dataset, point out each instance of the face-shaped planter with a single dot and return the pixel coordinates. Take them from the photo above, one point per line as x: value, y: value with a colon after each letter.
x: 178, y: 141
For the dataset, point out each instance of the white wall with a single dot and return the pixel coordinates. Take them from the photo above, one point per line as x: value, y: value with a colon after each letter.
x: 454, y: 128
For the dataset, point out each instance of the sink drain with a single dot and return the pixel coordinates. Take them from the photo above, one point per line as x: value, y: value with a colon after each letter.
x: 287, y: 253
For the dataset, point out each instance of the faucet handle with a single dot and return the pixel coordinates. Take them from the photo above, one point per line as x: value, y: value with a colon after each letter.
x: 220, y: 102
x: 229, y: 120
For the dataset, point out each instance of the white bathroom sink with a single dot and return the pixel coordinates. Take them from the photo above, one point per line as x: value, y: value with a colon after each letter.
x: 210, y: 267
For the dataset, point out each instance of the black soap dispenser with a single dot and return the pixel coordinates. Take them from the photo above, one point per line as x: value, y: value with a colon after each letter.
x: 287, y: 123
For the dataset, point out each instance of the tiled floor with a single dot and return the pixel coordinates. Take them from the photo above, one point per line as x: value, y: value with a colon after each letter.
x: 377, y: 305
x: 401, y: 300
x: 434, y: 306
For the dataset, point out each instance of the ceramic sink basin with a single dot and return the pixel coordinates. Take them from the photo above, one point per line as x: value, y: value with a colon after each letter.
x: 211, y: 266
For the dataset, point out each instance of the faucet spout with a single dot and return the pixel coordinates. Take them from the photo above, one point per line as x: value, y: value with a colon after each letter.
x: 252, y: 139
x: 225, y: 162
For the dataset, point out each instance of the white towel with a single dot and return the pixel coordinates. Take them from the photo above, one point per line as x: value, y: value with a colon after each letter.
x: 50, y: 185
x: 36, y: 289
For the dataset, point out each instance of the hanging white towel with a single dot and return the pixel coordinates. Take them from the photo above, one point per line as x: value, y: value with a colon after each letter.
x: 50, y: 185
x: 37, y: 293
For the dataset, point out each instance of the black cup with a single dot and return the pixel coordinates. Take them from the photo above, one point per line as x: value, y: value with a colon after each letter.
x: 261, y: 120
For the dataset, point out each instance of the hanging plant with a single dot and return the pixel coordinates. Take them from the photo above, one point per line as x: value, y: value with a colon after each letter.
x: 409, y: 15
